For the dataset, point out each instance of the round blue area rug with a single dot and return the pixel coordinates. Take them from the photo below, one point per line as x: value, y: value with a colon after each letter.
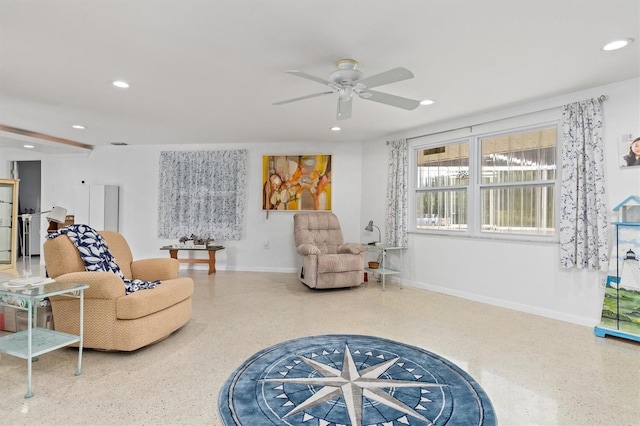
x: 334, y: 380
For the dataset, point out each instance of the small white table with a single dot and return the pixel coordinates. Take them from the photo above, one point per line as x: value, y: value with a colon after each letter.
x: 32, y: 342
x: 382, y: 270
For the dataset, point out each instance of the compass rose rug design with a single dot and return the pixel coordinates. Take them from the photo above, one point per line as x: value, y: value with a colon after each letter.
x: 339, y: 380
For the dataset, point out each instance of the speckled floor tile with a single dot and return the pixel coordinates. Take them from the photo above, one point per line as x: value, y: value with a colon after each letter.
x: 536, y: 371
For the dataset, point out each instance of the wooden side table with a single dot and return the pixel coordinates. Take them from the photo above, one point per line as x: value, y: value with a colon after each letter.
x: 173, y: 252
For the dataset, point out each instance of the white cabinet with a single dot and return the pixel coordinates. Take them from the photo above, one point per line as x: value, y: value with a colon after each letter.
x: 104, y: 207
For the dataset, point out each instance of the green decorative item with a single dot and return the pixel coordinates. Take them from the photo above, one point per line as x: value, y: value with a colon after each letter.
x: 621, y: 305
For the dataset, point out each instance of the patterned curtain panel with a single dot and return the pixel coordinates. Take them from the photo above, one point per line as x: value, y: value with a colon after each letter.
x: 396, y: 230
x: 202, y: 193
x: 583, y: 206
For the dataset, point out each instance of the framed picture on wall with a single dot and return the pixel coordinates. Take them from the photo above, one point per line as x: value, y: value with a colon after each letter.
x: 629, y: 150
x: 296, y: 182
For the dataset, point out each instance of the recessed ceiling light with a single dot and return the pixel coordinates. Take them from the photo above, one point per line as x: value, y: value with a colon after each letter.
x: 121, y: 84
x: 78, y: 126
x: 29, y: 146
x: 427, y: 102
x: 335, y: 129
x: 617, y: 44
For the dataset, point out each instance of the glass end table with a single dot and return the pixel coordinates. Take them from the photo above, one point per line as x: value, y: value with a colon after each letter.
x: 25, y: 294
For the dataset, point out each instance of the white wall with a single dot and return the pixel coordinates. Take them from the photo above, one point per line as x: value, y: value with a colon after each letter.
x: 523, y: 276
x: 135, y: 170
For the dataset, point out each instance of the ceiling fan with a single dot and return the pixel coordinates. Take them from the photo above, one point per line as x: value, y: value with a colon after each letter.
x: 347, y: 82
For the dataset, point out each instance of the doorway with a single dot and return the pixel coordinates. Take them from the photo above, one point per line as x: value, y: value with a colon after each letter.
x: 29, y: 173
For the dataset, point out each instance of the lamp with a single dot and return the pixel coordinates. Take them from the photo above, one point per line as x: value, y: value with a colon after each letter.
x: 56, y: 214
x: 369, y: 228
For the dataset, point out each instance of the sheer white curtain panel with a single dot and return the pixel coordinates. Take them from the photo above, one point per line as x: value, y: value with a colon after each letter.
x: 396, y: 229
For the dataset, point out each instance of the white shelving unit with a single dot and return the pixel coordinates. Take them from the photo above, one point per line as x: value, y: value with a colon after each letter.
x: 620, y: 303
x: 383, y: 270
x: 8, y: 223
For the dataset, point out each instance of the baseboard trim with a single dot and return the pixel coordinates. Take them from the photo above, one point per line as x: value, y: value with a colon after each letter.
x: 520, y: 307
x: 223, y: 267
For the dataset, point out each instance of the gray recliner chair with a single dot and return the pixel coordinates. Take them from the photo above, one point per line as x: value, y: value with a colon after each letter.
x: 327, y: 262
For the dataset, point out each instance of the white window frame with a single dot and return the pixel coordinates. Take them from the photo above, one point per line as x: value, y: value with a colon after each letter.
x: 415, y: 190
x: 474, y: 228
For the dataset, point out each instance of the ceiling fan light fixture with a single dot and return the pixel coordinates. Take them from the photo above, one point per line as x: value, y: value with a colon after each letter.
x: 346, y: 72
x: 617, y: 44
x: 347, y: 81
x: 427, y: 102
x: 345, y: 76
x: 335, y: 129
x: 346, y: 93
x: 79, y: 126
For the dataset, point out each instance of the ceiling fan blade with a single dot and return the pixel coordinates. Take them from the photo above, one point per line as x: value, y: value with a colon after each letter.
x: 302, y: 98
x: 391, y: 76
x: 393, y: 100
x: 344, y: 109
x: 308, y: 76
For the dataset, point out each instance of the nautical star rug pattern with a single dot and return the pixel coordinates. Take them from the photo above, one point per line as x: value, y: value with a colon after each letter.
x: 355, y: 380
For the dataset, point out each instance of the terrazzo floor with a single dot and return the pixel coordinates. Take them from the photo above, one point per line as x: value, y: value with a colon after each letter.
x: 536, y: 371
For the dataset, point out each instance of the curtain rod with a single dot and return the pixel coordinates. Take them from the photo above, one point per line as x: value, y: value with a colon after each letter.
x: 601, y: 99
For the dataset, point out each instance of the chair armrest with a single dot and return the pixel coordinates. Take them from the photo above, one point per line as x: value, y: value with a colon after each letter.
x: 353, y: 248
x: 155, y: 269
x: 102, y: 285
x: 308, y: 249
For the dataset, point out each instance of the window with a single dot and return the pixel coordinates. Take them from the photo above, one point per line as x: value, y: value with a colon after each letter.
x: 443, y: 182
x: 518, y: 175
x: 499, y: 184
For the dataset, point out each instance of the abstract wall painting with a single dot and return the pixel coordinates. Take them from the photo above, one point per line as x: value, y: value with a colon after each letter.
x: 296, y: 182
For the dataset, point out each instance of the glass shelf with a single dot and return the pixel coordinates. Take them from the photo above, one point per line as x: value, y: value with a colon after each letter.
x: 28, y: 344
x: 44, y: 340
x: 383, y: 271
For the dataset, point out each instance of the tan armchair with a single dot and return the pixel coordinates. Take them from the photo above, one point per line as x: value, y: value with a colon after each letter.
x: 114, y: 321
x: 326, y: 261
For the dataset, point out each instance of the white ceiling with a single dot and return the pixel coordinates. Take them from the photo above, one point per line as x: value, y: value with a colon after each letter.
x: 209, y: 71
